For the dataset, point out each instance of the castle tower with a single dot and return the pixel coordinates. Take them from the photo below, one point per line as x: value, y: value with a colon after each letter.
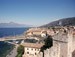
x: 60, y: 44
x: 70, y: 43
x: 65, y: 43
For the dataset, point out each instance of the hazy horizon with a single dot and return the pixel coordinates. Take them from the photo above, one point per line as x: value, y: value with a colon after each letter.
x: 35, y: 12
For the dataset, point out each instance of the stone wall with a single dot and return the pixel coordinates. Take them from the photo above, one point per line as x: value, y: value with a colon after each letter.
x: 63, y: 45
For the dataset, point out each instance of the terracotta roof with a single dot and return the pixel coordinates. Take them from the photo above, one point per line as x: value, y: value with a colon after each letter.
x: 32, y: 45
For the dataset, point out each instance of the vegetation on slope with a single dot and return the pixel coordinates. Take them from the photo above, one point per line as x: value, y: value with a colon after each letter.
x: 61, y: 22
x: 5, y: 48
x: 20, y: 51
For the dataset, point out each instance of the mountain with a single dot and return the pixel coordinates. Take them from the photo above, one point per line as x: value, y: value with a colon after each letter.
x: 61, y: 22
x: 12, y: 25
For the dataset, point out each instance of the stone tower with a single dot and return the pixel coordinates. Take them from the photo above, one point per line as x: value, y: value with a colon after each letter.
x: 65, y: 41
x: 62, y: 45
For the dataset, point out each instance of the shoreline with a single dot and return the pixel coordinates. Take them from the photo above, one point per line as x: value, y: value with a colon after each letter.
x: 13, y: 52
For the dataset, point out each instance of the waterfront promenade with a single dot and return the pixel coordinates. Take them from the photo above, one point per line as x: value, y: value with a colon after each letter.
x: 12, y: 38
x: 13, y: 53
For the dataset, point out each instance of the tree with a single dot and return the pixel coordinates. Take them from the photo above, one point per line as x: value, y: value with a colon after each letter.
x: 20, y: 51
x: 48, y: 43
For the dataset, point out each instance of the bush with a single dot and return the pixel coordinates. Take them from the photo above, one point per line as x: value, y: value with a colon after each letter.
x: 20, y: 51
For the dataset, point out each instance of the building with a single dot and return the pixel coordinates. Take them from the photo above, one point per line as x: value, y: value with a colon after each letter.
x: 63, y: 45
x: 31, y: 49
x: 39, y: 31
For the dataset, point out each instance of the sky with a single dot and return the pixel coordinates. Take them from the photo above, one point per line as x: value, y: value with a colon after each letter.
x: 35, y: 12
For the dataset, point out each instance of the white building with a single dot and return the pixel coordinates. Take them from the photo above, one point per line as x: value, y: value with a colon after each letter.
x: 31, y: 49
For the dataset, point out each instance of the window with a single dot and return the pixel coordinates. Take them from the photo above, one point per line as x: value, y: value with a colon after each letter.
x: 32, y: 48
x: 35, y: 53
x: 38, y: 49
x: 27, y: 48
x: 27, y: 52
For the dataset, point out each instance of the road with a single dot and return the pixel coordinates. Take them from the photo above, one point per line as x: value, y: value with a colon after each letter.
x: 13, y: 53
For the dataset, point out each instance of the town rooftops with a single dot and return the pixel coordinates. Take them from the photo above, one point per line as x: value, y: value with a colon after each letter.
x: 32, y: 45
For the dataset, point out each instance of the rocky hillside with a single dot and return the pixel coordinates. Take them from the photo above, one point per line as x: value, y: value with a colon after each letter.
x: 61, y: 22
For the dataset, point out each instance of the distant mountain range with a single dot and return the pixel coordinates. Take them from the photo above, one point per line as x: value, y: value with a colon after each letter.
x: 62, y: 22
x: 12, y: 25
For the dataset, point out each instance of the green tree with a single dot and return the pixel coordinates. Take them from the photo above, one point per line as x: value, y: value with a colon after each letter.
x: 20, y: 51
x: 48, y: 43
